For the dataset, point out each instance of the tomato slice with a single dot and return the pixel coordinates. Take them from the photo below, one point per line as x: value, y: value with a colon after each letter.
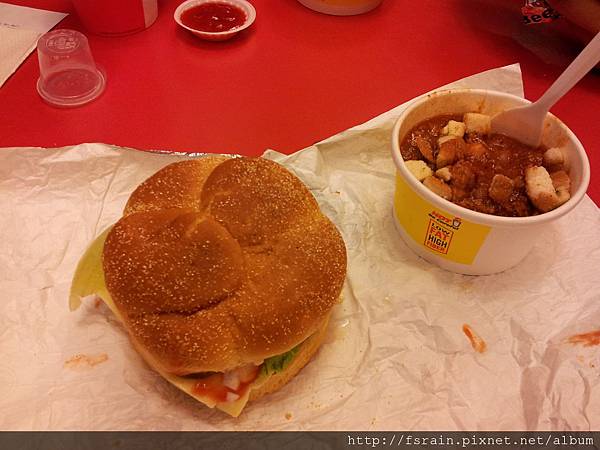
x: 213, y: 386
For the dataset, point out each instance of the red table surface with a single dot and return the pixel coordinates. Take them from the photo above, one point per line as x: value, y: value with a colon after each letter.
x: 294, y: 78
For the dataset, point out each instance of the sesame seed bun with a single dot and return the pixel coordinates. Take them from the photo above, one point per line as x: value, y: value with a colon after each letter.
x: 177, y: 185
x: 221, y: 262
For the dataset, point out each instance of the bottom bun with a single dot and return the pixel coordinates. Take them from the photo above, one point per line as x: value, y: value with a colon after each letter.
x: 307, y: 350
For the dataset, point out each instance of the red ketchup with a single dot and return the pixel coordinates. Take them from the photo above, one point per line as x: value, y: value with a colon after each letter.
x: 213, y: 386
x: 213, y: 17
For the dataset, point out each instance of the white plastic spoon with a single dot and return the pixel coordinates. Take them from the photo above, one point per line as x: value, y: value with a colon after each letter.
x: 525, y: 123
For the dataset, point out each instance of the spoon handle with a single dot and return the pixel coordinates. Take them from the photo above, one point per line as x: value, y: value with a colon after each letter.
x: 588, y: 58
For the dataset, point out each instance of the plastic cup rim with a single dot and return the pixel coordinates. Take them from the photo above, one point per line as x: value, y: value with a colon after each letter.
x: 68, y: 102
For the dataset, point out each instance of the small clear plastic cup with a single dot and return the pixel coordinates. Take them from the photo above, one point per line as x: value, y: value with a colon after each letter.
x: 69, y: 75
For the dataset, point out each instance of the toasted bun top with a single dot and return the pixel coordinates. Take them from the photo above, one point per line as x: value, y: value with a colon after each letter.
x: 221, y: 262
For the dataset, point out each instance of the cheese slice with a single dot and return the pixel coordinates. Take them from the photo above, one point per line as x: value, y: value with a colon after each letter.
x: 89, y: 280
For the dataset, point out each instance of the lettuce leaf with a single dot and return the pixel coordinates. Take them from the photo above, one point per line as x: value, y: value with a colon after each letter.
x: 278, y: 363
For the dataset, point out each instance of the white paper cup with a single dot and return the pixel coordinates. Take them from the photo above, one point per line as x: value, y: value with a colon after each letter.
x: 244, y: 5
x: 456, y: 238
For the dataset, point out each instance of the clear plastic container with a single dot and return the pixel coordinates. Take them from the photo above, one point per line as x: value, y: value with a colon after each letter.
x: 341, y: 7
x: 69, y: 75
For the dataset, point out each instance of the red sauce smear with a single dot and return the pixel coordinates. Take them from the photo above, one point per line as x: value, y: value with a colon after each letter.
x: 213, y: 387
x: 477, y: 343
x: 586, y: 339
x: 213, y: 17
x: 80, y: 360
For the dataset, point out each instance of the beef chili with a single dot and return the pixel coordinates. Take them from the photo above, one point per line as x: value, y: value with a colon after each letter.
x: 458, y: 158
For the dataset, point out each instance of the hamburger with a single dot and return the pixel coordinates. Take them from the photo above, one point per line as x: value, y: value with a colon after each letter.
x: 224, y: 273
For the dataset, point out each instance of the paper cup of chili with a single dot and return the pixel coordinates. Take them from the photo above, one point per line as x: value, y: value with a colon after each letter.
x: 475, y: 202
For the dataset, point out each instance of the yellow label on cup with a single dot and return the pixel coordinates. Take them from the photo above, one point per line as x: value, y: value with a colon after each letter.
x: 439, y: 232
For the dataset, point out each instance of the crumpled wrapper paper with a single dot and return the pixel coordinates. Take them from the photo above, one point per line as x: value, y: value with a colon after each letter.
x: 396, y: 356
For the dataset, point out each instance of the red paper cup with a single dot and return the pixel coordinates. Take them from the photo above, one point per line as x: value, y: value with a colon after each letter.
x: 116, y: 17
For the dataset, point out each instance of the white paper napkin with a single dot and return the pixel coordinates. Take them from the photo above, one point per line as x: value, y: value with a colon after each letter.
x: 20, y: 28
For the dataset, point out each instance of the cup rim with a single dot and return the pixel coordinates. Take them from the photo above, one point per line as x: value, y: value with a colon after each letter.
x: 72, y: 102
x: 475, y: 216
x: 243, y: 4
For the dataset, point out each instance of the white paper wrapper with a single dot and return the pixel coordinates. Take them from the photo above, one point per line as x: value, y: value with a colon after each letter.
x: 396, y: 356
